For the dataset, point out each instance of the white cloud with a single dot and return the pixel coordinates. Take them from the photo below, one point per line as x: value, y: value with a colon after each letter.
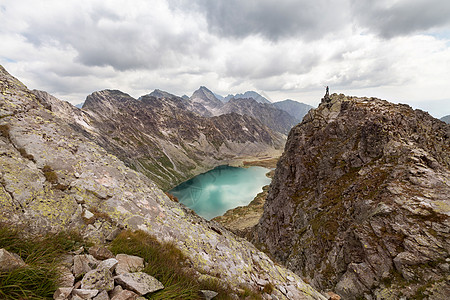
x: 289, y: 49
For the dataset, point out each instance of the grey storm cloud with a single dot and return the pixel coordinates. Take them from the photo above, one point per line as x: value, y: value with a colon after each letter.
x: 274, y: 20
x: 101, y: 38
x: 402, y: 17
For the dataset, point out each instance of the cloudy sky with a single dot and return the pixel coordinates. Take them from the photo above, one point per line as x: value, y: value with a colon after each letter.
x: 397, y: 50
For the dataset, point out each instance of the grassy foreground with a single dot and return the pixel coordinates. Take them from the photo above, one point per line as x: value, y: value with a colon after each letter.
x: 39, y: 278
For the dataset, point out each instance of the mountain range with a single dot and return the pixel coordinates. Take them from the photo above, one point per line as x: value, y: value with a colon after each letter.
x: 161, y: 137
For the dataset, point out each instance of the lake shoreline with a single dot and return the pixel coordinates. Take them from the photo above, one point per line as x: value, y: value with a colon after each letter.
x: 212, y: 193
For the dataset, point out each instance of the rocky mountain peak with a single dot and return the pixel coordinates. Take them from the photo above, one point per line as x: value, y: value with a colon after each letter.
x: 206, y: 98
x: 105, y: 98
x: 248, y: 94
x: 360, y: 204
x: 162, y: 94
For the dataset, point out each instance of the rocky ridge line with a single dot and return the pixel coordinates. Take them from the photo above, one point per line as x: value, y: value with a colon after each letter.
x: 360, y: 203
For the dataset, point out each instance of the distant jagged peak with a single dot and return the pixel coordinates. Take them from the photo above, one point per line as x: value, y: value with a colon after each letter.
x: 248, y: 94
x: 157, y: 93
x: 206, y: 97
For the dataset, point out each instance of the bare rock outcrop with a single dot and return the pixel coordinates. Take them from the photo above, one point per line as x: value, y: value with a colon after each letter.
x: 360, y: 201
x: 51, y: 175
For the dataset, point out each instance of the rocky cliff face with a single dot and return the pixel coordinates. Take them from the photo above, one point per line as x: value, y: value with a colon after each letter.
x: 360, y: 201
x: 52, y: 178
x: 160, y: 137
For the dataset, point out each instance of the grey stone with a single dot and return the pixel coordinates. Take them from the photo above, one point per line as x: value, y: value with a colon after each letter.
x: 98, y: 279
x: 129, y: 263
x: 84, y: 293
x: 207, y: 294
x: 103, y: 295
x: 100, y: 252
x: 9, y: 262
x: 113, y: 234
x: 83, y: 263
x: 117, y: 290
x: 62, y: 293
x: 66, y: 277
x: 139, y: 282
x: 109, y: 264
x: 125, y: 295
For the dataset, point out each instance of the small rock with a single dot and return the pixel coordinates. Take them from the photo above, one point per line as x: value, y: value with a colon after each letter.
x: 79, y: 251
x: 62, y: 293
x: 125, y: 295
x: 112, y: 235
x: 66, y: 278
x: 333, y: 296
x: 103, y: 295
x: 88, y: 215
x: 83, y: 264
x: 139, y: 282
x: 85, y: 294
x: 75, y: 297
x: 77, y: 285
x: 109, y: 264
x: 9, y: 262
x: 129, y: 263
x: 117, y: 290
x: 100, y: 253
x: 98, y: 279
x: 67, y: 260
x: 207, y: 295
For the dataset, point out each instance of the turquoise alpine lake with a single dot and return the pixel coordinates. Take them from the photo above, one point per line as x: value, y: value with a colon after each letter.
x: 212, y: 193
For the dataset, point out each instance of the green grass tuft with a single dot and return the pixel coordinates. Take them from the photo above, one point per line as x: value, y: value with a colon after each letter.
x: 38, y: 279
x: 166, y: 263
x: 49, y: 174
x: 4, y: 130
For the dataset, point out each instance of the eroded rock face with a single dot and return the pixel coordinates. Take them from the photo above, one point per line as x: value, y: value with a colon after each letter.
x: 50, y: 175
x: 359, y: 203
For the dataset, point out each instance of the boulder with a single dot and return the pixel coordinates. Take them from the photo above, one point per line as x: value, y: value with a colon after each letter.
x: 117, y: 290
x: 100, y: 252
x: 84, y: 293
x: 129, y: 263
x: 103, y: 295
x: 83, y: 263
x: 207, y: 294
x: 66, y: 278
x: 9, y: 261
x: 139, y: 282
x: 109, y: 264
x: 125, y: 295
x: 98, y: 279
x: 62, y: 293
